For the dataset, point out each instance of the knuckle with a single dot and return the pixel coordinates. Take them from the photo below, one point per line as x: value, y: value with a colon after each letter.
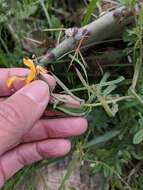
x: 21, y: 158
x: 39, y: 150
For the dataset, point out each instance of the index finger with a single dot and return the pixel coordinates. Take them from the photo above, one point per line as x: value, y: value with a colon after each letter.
x: 5, y: 74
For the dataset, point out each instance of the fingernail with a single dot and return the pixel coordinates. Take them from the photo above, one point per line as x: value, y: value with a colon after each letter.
x: 38, y: 91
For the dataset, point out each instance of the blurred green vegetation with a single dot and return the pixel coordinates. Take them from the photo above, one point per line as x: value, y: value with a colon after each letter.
x: 112, y: 145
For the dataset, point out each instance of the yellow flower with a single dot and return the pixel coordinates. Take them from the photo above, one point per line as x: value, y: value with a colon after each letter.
x: 34, y: 72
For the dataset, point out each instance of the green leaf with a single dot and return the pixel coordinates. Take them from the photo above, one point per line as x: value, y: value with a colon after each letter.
x: 138, y: 137
x: 102, y: 139
x: 89, y: 12
x: 107, y: 172
x: 129, y: 3
x: 97, y: 168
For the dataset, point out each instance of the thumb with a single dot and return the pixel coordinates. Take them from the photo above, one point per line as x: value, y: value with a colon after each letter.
x: 20, y: 111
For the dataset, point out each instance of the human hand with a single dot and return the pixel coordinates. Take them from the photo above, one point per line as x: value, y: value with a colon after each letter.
x: 24, y: 136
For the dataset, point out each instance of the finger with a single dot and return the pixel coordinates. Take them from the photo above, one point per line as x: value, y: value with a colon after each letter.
x: 26, y: 154
x: 69, y: 101
x: 56, y: 128
x: 5, y: 74
x: 20, y: 112
x: 2, y: 99
x: 49, y: 80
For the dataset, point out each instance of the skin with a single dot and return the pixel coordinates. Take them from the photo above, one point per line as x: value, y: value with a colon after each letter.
x: 25, y: 137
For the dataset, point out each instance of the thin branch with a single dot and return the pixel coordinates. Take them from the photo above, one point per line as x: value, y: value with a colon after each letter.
x: 109, y: 25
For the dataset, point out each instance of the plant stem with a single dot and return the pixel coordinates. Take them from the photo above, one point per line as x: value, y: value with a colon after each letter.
x: 46, y: 13
x: 136, y: 96
x: 108, y: 101
x: 109, y: 25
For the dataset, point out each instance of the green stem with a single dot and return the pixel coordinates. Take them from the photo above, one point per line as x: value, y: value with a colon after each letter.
x: 136, y: 95
x: 108, y: 101
x: 103, y: 102
x: 103, y: 28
